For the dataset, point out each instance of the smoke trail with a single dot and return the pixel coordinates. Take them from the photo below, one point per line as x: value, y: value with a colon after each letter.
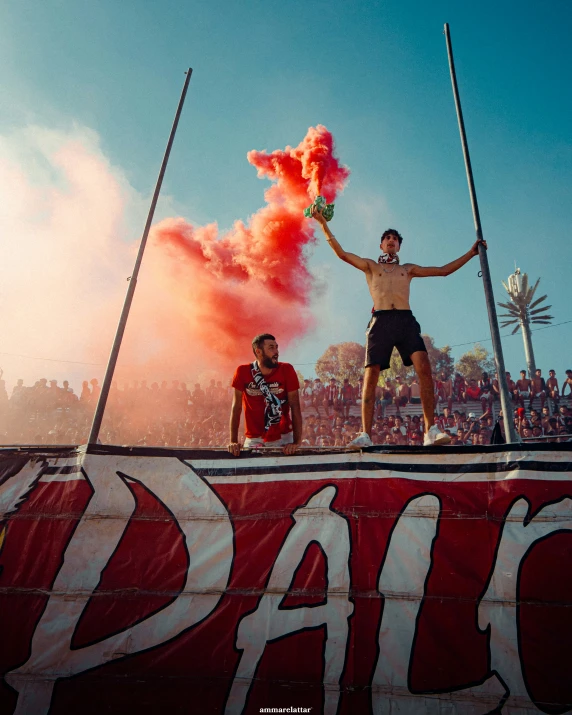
x: 211, y: 294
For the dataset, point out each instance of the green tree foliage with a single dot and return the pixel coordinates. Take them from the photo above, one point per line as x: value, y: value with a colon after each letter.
x: 474, y: 362
x: 343, y: 360
x: 396, y: 367
x: 346, y: 360
x: 440, y: 359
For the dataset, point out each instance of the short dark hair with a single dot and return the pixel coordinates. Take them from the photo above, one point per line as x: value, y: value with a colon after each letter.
x: 394, y: 232
x: 258, y: 341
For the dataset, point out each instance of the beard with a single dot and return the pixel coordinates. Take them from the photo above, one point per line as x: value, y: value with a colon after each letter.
x: 269, y: 362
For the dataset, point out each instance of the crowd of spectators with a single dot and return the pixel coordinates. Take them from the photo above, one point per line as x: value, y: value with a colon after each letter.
x: 173, y: 415
x: 165, y: 415
x: 334, y: 423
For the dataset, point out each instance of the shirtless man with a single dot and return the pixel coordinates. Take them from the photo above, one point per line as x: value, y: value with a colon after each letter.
x: 567, y: 381
x: 511, y: 385
x: 392, y: 324
x: 538, y: 388
x: 552, y: 388
x: 523, y: 389
x: 447, y: 390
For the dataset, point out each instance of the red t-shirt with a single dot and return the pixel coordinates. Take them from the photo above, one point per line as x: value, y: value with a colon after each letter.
x: 281, y: 381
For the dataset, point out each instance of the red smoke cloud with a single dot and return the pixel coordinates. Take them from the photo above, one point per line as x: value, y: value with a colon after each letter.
x: 217, y: 292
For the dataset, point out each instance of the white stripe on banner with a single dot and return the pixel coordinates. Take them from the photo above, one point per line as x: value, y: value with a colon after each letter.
x: 317, y: 467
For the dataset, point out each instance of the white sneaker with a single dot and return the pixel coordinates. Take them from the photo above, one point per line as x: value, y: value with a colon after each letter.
x: 435, y: 437
x: 362, y: 440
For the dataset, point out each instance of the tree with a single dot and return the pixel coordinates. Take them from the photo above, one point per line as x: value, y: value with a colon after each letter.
x: 341, y: 361
x: 396, y: 368
x: 474, y: 362
x: 440, y: 358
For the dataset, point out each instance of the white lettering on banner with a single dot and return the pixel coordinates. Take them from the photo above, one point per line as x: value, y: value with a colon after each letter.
x: 314, y: 522
x: 208, y: 536
x: 498, y: 607
x: 402, y: 581
x: 16, y: 490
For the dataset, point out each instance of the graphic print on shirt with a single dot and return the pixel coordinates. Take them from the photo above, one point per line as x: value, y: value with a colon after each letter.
x: 275, y: 388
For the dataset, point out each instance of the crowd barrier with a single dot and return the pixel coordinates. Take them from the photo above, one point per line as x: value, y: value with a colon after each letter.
x: 385, y: 581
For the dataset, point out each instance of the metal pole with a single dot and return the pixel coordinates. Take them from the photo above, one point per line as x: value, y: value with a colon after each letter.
x: 528, y: 351
x: 102, y: 401
x: 510, y: 431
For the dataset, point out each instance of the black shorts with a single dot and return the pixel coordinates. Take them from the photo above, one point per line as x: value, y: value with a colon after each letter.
x: 388, y: 329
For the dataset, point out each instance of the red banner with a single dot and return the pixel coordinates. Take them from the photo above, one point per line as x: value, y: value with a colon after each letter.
x: 380, y: 582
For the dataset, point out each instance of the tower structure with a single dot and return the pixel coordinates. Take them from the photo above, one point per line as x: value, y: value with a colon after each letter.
x: 524, y: 312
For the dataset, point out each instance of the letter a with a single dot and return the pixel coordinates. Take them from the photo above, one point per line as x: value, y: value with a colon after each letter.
x: 313, y: 522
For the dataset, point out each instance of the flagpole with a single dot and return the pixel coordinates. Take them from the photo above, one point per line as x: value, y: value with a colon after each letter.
x: 104, y: 394
x: 510, y: 432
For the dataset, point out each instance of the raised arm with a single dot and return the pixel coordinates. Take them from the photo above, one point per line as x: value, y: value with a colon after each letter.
x: 351, y: 258
x: 446, y: 270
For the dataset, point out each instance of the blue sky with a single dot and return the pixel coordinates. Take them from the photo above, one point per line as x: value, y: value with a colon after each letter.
x: 376, y: 74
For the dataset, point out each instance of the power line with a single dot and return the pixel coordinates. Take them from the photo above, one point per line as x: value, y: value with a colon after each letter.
x: 73, y: 362
x: 473, y: 342
x: 98, y: 364
x: 508, y: 335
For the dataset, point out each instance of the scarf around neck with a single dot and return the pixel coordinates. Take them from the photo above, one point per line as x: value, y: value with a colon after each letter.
x: 272, y: 408
x: 388, y: 258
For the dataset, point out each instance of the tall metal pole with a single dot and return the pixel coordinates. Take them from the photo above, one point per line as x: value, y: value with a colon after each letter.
x: 528, y: 351
x: 510, y: 431
x: 102, y: 401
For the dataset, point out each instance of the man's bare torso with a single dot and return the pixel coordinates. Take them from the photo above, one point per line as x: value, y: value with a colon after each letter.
x: 552, y: 383
x: 388, y: 285
x: 537, y: 384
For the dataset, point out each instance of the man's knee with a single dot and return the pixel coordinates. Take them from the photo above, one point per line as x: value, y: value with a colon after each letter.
x: 423, y: 366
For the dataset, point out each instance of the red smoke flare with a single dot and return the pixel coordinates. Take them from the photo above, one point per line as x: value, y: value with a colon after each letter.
x: 254, y: 278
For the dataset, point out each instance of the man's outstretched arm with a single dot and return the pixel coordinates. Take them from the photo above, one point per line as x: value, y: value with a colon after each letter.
x: 350, y: 258
x: 428, y: 271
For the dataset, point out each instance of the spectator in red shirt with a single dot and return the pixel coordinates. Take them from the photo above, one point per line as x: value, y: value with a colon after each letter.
x: 268, y: 390
x: 473, y: 391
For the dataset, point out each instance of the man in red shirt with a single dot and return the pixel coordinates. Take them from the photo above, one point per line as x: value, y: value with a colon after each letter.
x: 268, y: 390
x: 473, y: 391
